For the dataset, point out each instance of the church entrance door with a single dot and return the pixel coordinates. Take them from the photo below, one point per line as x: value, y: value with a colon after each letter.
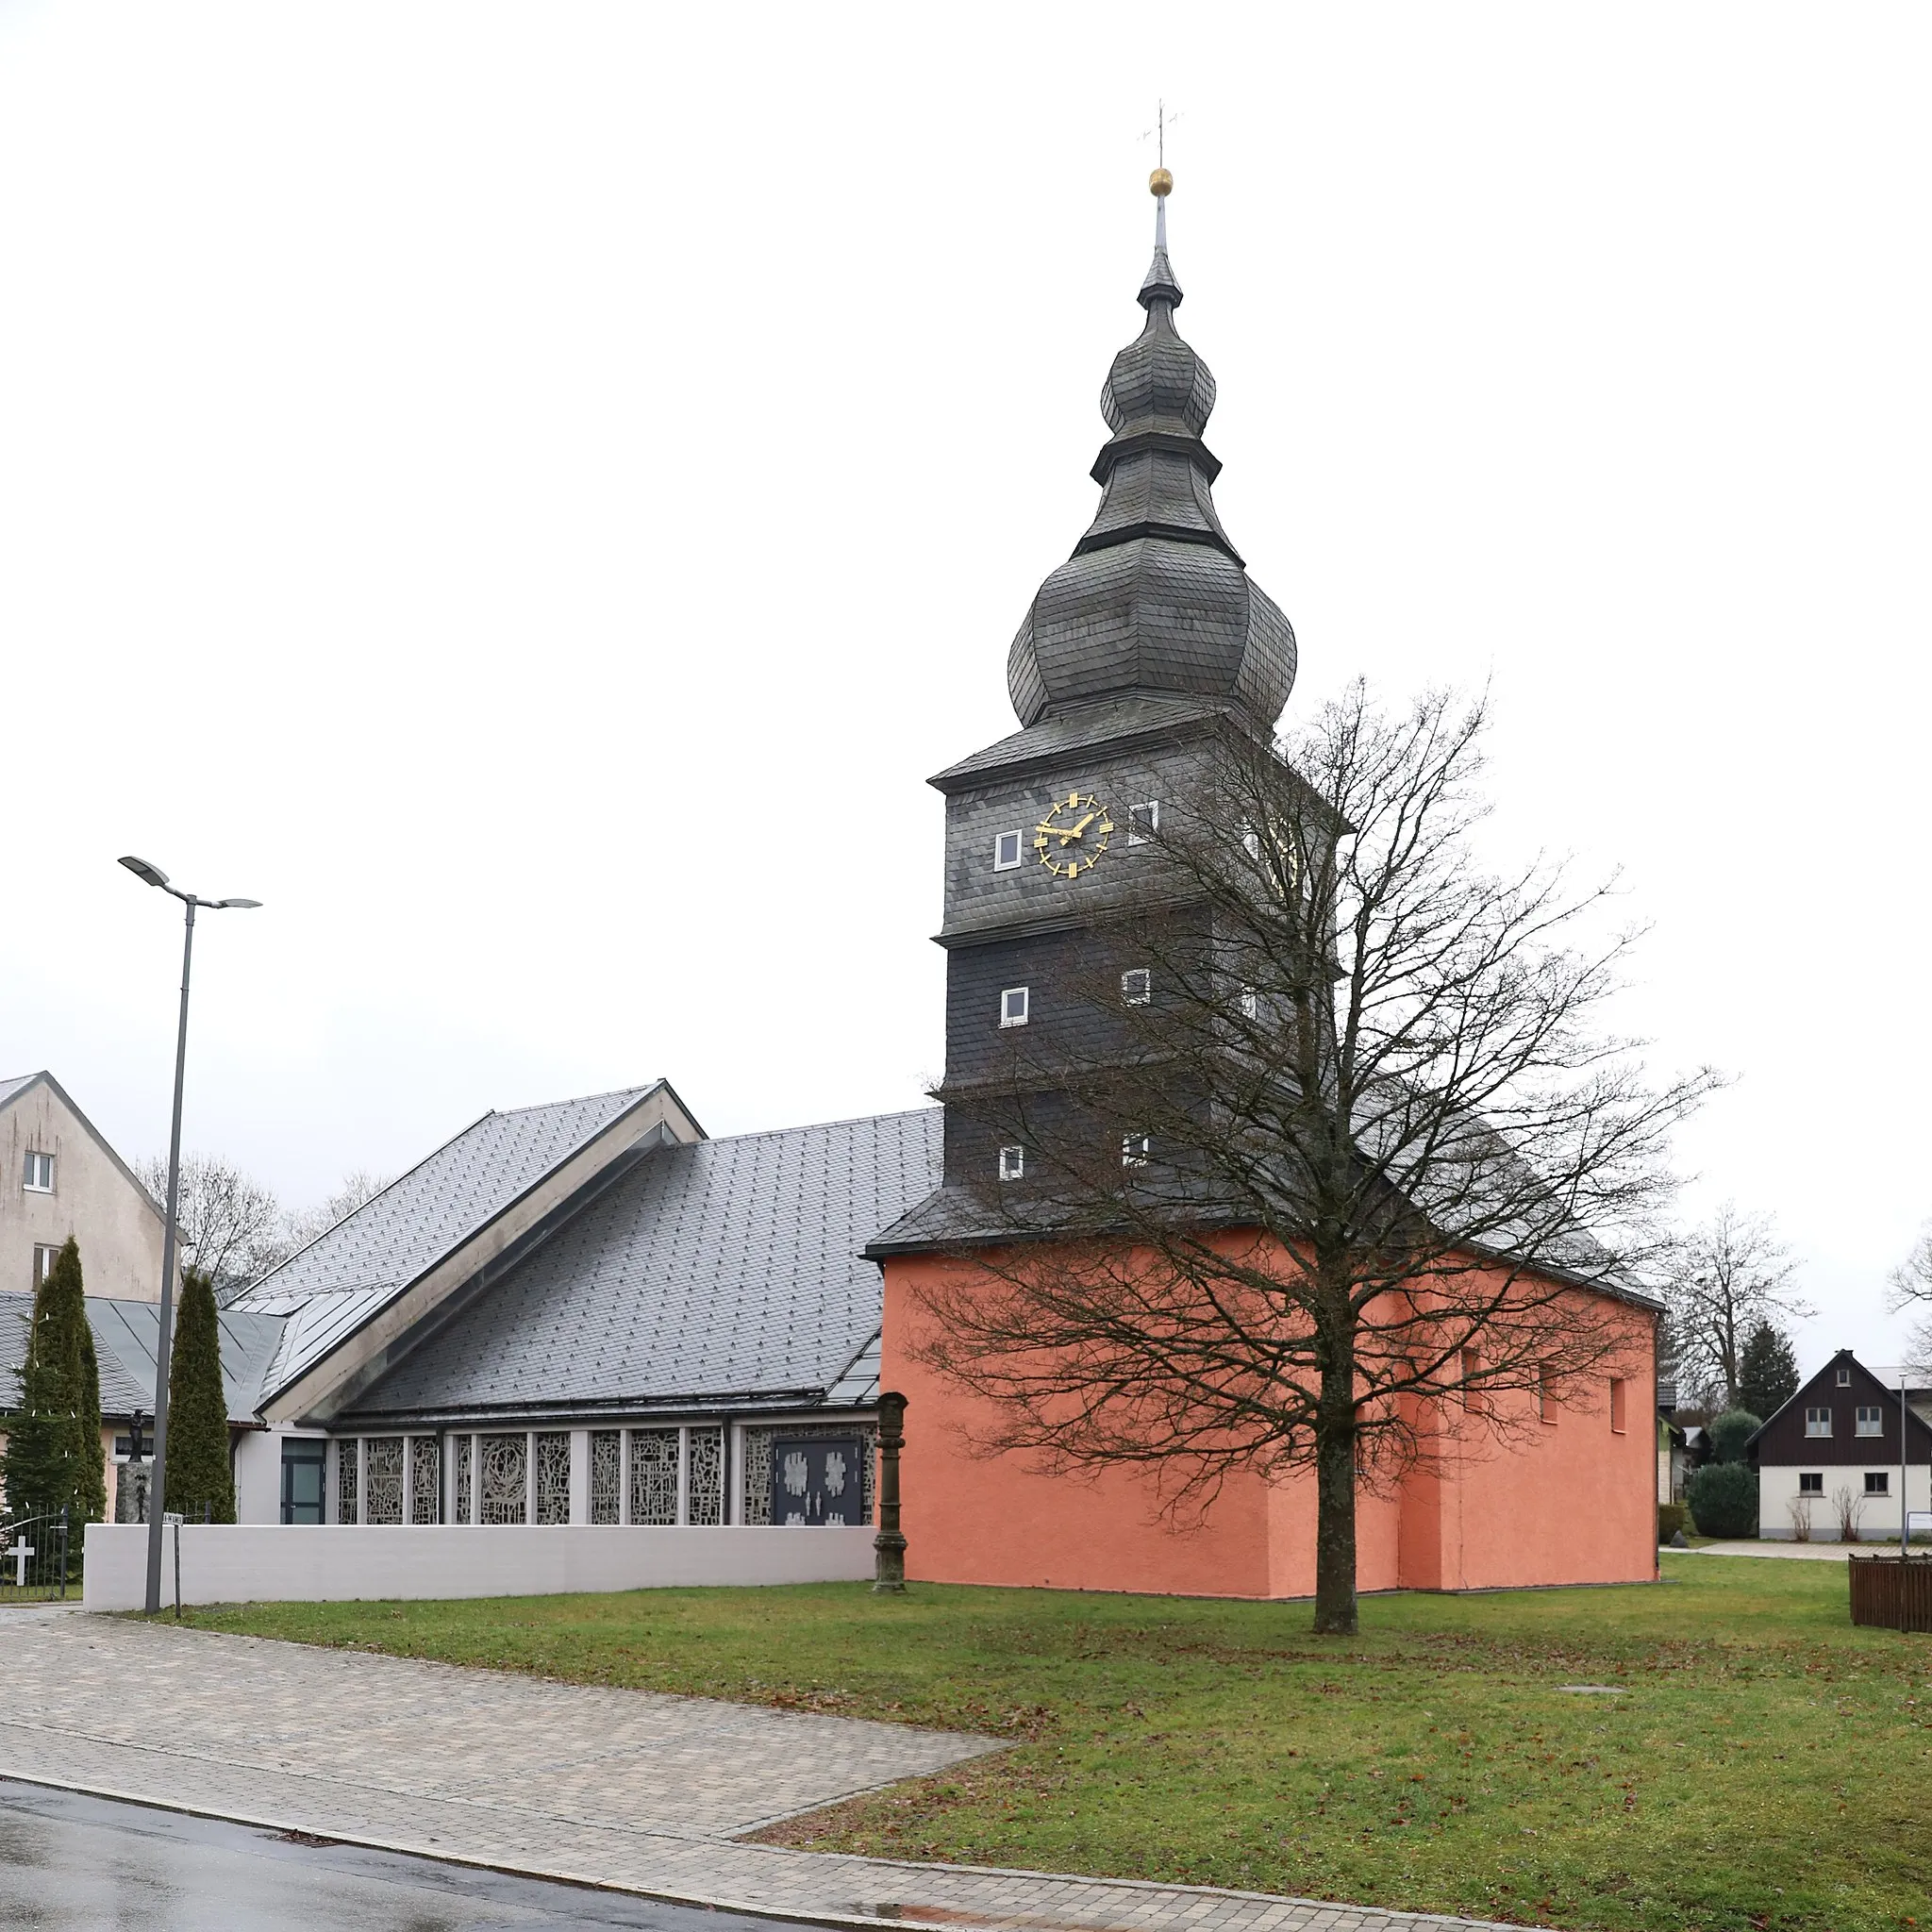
x: 815, y: 1480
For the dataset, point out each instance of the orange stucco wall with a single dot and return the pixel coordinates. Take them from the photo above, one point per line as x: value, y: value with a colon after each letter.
x: 1566, y: 1501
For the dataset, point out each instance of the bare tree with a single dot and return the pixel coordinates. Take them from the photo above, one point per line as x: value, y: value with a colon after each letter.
x: 229, y: 1227
x: 1329, y: 1152
x: 1721, y: 1282
x: 355, y: 1189
x: 1912, y: 1295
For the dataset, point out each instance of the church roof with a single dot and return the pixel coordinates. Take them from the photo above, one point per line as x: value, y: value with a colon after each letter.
x: 726, y: 1269
x: 330, y: 1288
x: 1154, y: 597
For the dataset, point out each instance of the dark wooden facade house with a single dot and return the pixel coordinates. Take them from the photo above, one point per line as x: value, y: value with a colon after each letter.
x: 1832, y: 1456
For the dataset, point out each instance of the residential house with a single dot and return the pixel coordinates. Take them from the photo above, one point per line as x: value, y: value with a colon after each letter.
x: 1843, y: 1448
x: 62, y: 1179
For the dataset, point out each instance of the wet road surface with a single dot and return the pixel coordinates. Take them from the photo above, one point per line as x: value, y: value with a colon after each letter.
x: 70, y: 1863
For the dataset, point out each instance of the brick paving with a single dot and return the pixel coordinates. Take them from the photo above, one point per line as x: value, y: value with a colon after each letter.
x: 621, y: 1789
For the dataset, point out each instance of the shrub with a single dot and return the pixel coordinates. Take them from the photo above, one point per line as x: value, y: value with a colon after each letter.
x: 1731, y: 1432
x: 1671, y: 1518
x: 1723, y: 1500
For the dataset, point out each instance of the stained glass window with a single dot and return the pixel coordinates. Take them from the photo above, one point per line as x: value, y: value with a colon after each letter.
x: 462, y: 1512
x: 704, y: 1484
x: 654, y: 1476
x: 607, y: 1474
x: 426, y: 1480
x: 505, y: 1473
x: 346, y: 1466
x: 552, y: 1476
x: 382, y: 1473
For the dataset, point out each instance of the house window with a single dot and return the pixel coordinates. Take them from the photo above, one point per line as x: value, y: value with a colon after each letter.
x: 1144, y: 821
x: 1810, y: 1482
x: 1818, y: 1422
x: 1251, y: 1004
x: 45, y: 1258
x: 1013, y: 1003
x: 39, y: 1179
x: 1545, y: 1405
x: 1137, y: 985
x: 1871, y: 1422
x: 1134, y: 1150
x: 1012, y: 1163
x: 1844, y: 1378
x: 1877, y: 1482
x: 1006, y: 851
x: 1617, y: 1405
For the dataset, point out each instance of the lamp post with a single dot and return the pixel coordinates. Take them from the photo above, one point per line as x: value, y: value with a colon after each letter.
x: 154, y: 876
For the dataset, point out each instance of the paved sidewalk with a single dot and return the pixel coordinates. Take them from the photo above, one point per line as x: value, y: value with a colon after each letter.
x: 619, y: 1789
x: 1814, y: 1552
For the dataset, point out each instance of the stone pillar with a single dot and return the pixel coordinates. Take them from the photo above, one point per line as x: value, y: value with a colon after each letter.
x: 890, y: 1573
x: 580, y: 1475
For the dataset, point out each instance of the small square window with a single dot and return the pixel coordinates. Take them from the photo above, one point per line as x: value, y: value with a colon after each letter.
x: 1006, y: 851
x: 1013, y: 1004
x: 38, y: 1177
x: 1810, y: 1482
x: 1012, y: 1163
x: 1143, y: 822
x: 1617, y: 1422
x: 1877, y: 1482
x: 1134, y: 1150
x: 1818, y: 1422
x: 1137, y: 985
x: 1844, y: 1378
x: 1871, y: 1422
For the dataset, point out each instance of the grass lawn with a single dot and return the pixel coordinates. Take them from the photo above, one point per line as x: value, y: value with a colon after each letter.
x: 1766, y: 1767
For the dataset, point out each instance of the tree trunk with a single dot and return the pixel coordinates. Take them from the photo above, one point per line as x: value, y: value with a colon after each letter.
x: 1335, y: 1597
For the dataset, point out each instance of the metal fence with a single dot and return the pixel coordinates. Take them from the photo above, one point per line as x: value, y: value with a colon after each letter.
x: 1889, y: 1593
x: 34, y: 1558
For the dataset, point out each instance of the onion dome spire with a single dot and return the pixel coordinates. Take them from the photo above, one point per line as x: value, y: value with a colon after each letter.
x: 1154, y: 597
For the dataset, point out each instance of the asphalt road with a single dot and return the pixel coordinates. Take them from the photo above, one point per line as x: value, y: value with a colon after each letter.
x: 69, y: 1863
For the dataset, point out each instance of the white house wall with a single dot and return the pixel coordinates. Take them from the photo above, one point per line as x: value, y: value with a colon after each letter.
x: 1878, y: 1516
x: 341, y: 1563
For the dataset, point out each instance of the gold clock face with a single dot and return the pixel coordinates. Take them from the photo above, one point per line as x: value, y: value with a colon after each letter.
x: 1070, y: 837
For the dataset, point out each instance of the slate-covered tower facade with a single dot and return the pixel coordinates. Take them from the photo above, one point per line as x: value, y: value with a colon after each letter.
x: 1147, y: 641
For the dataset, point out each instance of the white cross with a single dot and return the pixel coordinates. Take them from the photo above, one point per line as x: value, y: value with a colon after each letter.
x: 22, y: 1550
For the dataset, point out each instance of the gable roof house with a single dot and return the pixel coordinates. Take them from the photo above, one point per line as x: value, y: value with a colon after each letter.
x: 588, y: 1311
x: 1837, y: 1451
x: 59, y: 1179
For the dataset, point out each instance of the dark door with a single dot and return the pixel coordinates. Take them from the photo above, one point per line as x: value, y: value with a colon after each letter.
x: 815, y: 1480
x: 302, y: 1465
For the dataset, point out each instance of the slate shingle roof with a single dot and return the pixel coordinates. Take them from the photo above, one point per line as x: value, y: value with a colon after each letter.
x: 12, y: 1085
x: 729, y: 1268
x: 342, y: 1278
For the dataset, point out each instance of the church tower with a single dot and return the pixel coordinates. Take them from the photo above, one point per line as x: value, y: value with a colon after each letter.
x: 1147, y: 643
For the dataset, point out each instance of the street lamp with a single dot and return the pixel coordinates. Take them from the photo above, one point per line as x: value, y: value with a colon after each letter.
x: 154, y: 876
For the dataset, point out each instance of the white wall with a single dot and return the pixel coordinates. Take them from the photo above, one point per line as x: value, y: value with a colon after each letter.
x: 1778, y: 1488
x: 339, y: 1563
x: 259, y: 1473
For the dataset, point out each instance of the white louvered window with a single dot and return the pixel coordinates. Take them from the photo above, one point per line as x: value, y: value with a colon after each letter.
x: 1012, y: 1163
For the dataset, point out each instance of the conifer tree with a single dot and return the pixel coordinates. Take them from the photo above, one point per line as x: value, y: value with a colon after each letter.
x: 1767, y: 1371
x: 199, y: 1476
x: 54, y: 1451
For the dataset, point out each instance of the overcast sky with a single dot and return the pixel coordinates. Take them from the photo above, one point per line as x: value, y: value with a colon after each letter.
x: 531, y: 493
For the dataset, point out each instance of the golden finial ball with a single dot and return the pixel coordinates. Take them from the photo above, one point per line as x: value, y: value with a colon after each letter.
x: 1160, y: 183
